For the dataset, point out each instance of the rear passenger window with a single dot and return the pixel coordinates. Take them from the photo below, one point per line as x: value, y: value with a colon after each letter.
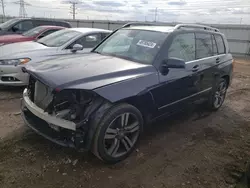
x: 220, y: 44
x: 204, y: 46
x: 183, y: 47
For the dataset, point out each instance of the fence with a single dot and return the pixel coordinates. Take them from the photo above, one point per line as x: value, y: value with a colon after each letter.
x: 238, y: 35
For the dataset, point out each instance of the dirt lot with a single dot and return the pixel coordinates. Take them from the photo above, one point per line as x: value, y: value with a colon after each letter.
x: 196, y: 150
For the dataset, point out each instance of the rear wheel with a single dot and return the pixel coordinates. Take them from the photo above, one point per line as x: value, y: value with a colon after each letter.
x: 218, y: 95
x: 118, y: 132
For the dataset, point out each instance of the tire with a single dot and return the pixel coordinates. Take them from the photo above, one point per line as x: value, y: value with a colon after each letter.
x: 117, y: 133
x: 218, y: 95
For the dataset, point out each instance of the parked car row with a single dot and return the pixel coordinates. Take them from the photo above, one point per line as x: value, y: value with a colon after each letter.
x: 33, y: 34
x: 21, y: 25
x: 102, y: 100
x: 42, y: 43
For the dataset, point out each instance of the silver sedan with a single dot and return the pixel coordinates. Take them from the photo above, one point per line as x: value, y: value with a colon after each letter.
x: 64, y: 42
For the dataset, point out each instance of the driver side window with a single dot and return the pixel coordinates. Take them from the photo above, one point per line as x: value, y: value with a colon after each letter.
x: 183, y: 47
x: 23, y: 26
x: 89, y: 41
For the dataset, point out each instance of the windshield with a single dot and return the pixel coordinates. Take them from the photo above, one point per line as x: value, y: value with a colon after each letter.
x: 58, y: 38
x: 33, y: 32
x: 8, y: 23
x: 136, y: 45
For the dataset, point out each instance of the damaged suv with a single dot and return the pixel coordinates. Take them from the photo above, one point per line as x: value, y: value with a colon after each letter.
x: 102, y: 100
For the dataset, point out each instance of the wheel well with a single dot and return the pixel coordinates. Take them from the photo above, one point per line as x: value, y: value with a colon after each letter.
x: 144, y: 104
x: 227, y: 78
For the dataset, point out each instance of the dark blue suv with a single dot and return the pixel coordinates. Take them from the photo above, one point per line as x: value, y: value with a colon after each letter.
x: 102, y: 100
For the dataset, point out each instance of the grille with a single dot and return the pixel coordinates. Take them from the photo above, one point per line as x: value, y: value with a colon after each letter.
x: 39, y: 93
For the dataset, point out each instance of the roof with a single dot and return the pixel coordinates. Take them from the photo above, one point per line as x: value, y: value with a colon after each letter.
x: 164, y: 29
x: 89, y: 30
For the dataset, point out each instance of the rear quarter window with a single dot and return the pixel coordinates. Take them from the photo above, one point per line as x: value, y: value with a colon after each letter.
x: 220, y: 44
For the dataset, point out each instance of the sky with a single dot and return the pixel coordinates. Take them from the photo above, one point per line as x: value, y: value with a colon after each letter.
x: 188, y: 11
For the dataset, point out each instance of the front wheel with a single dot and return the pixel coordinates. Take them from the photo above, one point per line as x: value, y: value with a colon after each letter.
x: 218, y: 95
x: 118, y: 132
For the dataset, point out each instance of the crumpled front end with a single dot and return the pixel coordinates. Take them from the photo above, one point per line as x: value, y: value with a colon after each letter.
x: 60, y: 116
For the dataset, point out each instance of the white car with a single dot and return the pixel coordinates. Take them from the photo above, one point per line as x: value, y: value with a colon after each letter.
x: 64, y: 42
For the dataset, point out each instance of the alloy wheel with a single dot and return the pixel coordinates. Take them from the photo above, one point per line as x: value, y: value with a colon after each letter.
x: 121, y: 135
x: 220, y: 94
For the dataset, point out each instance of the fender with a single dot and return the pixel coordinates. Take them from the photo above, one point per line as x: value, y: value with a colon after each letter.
x: 128, y: 88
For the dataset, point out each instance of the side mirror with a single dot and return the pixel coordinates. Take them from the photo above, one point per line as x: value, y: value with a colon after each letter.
x: 174, y: 63
x: 76, y: 48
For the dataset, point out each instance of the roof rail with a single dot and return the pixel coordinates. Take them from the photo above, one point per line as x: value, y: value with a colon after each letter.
x: 196, y: 26
x: 137, y: 24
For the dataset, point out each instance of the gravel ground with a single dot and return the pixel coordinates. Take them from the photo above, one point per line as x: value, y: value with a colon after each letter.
x: 189, y: 150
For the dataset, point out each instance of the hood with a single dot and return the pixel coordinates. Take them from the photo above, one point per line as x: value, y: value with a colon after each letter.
x: 87, y: 71
x: 16, y: 49
x: 14, y: 38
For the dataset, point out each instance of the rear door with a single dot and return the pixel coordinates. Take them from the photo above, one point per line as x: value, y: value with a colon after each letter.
x: 206, y: 57
x: 223, y: 64
x: 178, y: 86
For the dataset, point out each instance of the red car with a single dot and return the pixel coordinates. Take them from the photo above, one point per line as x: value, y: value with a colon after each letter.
x: 33, y: 34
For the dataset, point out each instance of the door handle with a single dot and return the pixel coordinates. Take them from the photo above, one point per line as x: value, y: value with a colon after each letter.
x: 217, y: 60
x: 195, y: 68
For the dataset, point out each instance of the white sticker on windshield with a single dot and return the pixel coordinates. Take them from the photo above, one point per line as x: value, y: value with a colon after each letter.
x: 147, y: 44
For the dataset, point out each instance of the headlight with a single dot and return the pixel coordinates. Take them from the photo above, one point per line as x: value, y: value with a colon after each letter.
x: 14, y: 61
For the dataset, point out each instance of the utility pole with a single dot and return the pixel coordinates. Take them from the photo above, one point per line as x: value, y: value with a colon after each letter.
x: 2, y: 4
x: 74, y: 11
x: 73, y: 7
x: 156, y: 13
x: 22, y: 11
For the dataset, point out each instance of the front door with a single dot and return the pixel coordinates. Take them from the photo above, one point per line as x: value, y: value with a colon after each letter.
x: 178, y: 86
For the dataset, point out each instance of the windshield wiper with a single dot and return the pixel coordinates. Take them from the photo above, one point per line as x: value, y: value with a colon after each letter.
x: 96, y: 52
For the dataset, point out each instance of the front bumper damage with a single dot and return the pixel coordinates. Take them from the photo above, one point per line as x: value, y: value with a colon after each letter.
x: 57, y: 130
